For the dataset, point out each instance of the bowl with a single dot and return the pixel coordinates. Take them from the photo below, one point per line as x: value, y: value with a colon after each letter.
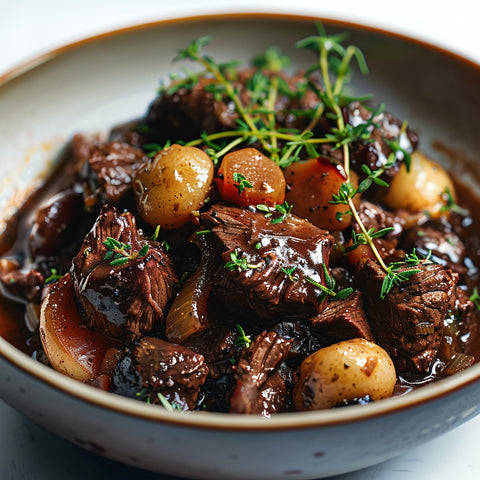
x: 111, y: 78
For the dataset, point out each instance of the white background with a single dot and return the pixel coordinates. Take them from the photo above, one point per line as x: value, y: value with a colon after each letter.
x: 31, y: 27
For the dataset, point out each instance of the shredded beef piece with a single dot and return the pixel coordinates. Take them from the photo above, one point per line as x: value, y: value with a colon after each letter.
x: 343, y: 320
x: 109, y: 172
x: 259, y: 388
x: 124, y: 300
x: 269, y: 248
x: 408, y: 323
x: 173, y: 370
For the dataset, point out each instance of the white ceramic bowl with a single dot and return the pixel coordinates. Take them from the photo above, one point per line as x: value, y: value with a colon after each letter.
x: 102, y: 81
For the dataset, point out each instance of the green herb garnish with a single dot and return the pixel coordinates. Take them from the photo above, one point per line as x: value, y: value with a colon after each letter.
x: 120, y: 253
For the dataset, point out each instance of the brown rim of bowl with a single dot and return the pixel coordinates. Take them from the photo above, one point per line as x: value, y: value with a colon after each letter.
x: 222, y: 421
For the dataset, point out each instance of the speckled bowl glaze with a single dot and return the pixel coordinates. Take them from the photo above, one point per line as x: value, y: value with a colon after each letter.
x: 105, y: 80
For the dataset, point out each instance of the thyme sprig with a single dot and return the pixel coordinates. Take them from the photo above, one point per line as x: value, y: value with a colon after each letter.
x: 328, y: 290
x: 243, y: 340
x: 475, y: 298
x: 120, y: 253
x: 239, y: 263
x: 53, y: 277
x: 396, y: 273
x: 257, y: 121
x: 284, y: 209
x: 241, y: 182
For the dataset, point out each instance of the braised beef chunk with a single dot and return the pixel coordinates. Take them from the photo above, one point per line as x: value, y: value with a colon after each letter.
x: 173, y: 370
x: 130, y: 296
x: 440, y: 241
x: 263, y: 266
x: 386, y: 127
x: 188, y: 112
x: 304, y: 340
x: 24, y: 284
x: 52, y: 229
x: 185, y: 113
x: 109, y: 172
x: 343, y: 320
x: 130, y: 133
x: 259, y: 388
x: 374, y: 216
x: 54, y: 239
x: 408, y: 322
x: 219, y: 347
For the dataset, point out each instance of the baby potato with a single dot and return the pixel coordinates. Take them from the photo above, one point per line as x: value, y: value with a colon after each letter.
x: 343, y: 372
x: 422, y: 189
x: 173, y: 185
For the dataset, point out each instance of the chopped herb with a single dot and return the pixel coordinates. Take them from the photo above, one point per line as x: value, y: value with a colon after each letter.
x: 120, y: 253
x: 242, y: 340
x: 155, y: 234
x: 284, y: 209
x: 241, y: 183
x: 202, y: 232
x: 329, y: 288
x: 395, y: 277
x: 53, y: 277
x: 450, y: 205
x: 475, y: 298
x: 239, y: 263
x: 170, y: 406
x: 289, y: 273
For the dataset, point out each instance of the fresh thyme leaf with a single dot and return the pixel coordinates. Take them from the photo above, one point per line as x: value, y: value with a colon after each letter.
x: 239, y: 263
x: 395, y: 276
x: 289, y: 273
x: 242, y: 340
x: 194, y: 49
x: 284, y: 209
x: 119, y: 261
x: 241, y: 182
x: 121, y: 252
x: 156, y: 233
x: 475, y: 298
x: 53, y: 277
x: 263, y: 208
x: 346, y: 192
x: 170, y: 406
x: 450, y: 205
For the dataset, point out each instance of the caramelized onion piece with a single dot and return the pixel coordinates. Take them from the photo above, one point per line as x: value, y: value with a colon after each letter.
x: 71, y: 347
x: 188, y: 314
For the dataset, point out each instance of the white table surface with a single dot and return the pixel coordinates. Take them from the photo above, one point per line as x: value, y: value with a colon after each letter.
x: 31, y: 27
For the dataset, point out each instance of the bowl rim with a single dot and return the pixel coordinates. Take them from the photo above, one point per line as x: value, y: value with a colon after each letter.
x: 212, y: 420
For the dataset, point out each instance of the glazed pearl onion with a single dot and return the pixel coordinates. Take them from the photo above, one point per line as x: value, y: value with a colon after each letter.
x: 343, y: 372
x: 422, y: 189
x: 173, y: 185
